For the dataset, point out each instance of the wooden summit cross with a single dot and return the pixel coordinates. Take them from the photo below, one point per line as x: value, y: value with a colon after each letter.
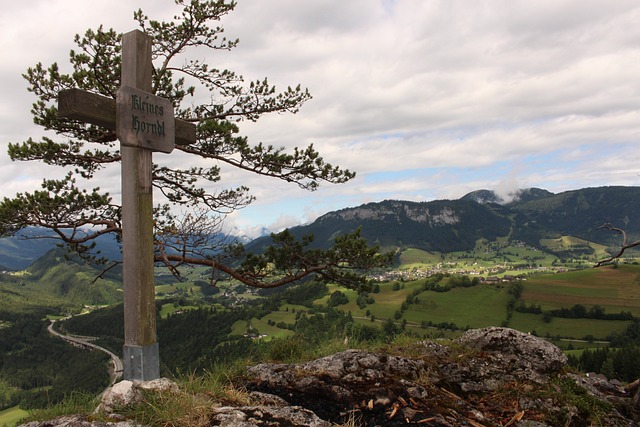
x: 143, y: 123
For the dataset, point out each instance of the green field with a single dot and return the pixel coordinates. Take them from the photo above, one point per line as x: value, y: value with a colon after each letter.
x: 615, y: 289
x: 410, y: 258
x: 12, y: 416
x: 574, y: 328
x: 569, y: 242
x: 286, y: 314
x: 476, y: 307
x: 387, y: 301
x: 182, y: 286
x: 171, y: 308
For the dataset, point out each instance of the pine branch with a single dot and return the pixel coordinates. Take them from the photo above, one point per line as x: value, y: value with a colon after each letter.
x: 625, y: 244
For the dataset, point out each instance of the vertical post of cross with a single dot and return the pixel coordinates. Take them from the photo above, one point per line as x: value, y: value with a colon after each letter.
x: 141, y: 353
x: 143, y: 123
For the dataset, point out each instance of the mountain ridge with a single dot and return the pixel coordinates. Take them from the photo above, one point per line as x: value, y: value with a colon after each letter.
x: 527, y: 215
x: 456, y: 225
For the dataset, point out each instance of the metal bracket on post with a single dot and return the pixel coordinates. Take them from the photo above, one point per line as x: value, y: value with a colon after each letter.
x: 142, y: 362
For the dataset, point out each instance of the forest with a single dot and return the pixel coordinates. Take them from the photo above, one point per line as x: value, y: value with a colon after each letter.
x: 37, y: 369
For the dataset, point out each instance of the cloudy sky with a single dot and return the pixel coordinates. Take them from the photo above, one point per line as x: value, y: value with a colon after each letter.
x: 424, y: 99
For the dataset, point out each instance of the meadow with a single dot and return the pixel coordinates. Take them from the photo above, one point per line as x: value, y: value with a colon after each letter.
x: 476, y: 307
x: 616, y: 289
x: 580, y: 329
x: 10, y: 417
x: 267, y: 324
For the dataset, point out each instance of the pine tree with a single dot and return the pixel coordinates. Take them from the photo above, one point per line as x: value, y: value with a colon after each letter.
x: 78, y: 214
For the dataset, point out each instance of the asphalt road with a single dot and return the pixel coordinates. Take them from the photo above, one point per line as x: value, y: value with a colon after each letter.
x: 85, y: 342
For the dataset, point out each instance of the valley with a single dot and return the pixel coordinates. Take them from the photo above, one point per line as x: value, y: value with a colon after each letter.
x: 426, y: 295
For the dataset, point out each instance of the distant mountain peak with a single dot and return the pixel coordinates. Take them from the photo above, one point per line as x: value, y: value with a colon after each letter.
x: 483, y: 197
x: 517, y: 196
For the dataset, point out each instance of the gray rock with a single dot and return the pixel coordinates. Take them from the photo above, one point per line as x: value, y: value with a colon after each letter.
x: 634, y: 390
x: 502, y: 355
x: 266, y: 399
x: 125, y: 393
x: 521, y: 351
x: 599, y: 386
x: 379, y: 385
x: 265, y: 416
x: 333, y: 385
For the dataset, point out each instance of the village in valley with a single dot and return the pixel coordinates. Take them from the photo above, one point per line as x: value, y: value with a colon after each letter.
x: 490, y: 262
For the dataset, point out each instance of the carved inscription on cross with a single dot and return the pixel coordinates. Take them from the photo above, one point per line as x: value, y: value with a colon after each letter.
x: 143, y: 123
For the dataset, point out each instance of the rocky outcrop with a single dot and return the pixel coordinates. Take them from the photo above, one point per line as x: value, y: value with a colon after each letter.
x: 504, y: 355
x: 267, y: 410
x: 334, y: 385
x: 265, y: 416
x: 396, y: 210
x: 492, y: 376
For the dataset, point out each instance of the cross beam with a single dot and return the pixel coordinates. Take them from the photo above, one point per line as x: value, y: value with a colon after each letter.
x: 100, y: 110
x: 143, y: 124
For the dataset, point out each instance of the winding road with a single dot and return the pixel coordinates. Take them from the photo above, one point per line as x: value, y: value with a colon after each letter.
x: 85, y: 342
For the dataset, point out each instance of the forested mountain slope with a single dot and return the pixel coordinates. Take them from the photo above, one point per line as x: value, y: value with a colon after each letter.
x: 455, y: 225
x: 440, y: 225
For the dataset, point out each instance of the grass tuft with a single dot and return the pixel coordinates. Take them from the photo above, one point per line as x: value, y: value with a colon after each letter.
x: 75, y: 403
x: 169, y: 409
x: 219, y: 383
x: 191, y: 406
